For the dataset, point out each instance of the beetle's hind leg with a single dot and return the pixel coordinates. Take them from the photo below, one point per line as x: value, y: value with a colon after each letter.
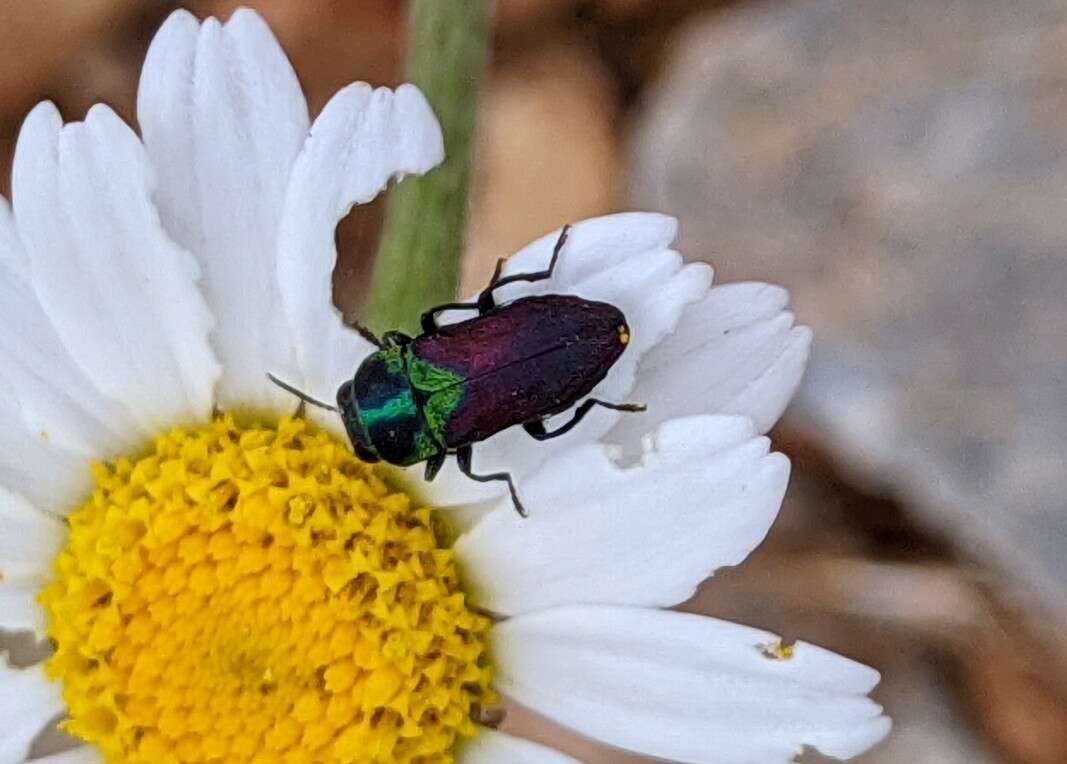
x: 486, y: 300
x: 463, y: 459
x: 429, y: 318
x: 536, y: 428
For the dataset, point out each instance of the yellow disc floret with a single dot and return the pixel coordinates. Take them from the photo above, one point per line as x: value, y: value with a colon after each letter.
x: 258, y: 594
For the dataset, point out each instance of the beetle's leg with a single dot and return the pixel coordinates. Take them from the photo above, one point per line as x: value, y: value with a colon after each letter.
x: 463, y: 458
x: 496, y: 272
x: 366, y: 334
x: 486, y: 300
x: 537, y: 429
x: 429, y: 318
x: 433, y: 466
x: 395, y: 339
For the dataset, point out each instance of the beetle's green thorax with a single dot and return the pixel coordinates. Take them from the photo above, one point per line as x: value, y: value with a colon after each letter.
x: 439, y: 389
x: 381, y: 413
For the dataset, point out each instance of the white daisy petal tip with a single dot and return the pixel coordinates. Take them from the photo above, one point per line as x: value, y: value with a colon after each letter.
x: 685, y: 687
x: 702, y: 497
x: 381, y: 134
x: 735, y: 350
x: 223, y: 118
x: 423, y: 141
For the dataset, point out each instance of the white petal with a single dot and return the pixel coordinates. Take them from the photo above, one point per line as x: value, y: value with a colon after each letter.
x: 621, y: 259
x: 120, y: 294
x: 11, y: 254
x: 705, y: 497
x: 52, y: 477
x: 361, y: 140
x: 81, y: 755
x: 223, y: 118
x: 596, y: 244
x: 492, y: 747
x: 19, y: 610
x: 53, y: 394
x: 685, y: 687
x: 29, y: 540
x: 28, y: 702
x: 734, y: 352
x: 29, y: 543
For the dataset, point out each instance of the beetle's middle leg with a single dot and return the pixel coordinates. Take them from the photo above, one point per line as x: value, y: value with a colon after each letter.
x: 463, y: 459
x: 537, y: 429
x: 486, y: 300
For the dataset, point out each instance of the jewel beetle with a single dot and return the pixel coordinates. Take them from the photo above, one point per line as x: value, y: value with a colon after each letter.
x: 422, y: 399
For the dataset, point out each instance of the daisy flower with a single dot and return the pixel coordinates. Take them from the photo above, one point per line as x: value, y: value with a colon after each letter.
x: 223, y: 582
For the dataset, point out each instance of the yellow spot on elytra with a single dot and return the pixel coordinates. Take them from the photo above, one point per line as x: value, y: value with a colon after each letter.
x: 258, y: 594
x: 624, y: 334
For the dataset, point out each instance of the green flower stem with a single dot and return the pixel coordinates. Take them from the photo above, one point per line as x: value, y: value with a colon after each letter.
x: 419, y: 257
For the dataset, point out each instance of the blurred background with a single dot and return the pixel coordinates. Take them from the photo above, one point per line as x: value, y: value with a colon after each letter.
x: 901, y: 166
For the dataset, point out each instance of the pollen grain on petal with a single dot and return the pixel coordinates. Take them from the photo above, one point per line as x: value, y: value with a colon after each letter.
x: 242, y: 593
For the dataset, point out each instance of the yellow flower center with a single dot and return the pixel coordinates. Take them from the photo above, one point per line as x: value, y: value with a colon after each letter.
x: 258, y: 594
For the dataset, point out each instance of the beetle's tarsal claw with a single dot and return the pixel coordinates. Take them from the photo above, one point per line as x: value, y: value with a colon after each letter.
x: 518, y: 505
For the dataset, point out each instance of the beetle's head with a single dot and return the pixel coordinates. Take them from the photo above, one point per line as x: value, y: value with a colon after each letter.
x: 379, y: 410
x: 357, y: 432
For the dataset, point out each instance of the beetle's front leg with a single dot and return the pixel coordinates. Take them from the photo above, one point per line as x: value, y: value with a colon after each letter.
x: 433, y: 466
x: 536, y: 429
x: 395, y: 339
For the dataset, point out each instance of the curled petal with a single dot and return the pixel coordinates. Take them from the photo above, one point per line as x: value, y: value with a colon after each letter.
x: 702, y: 497
x: 362, y: 139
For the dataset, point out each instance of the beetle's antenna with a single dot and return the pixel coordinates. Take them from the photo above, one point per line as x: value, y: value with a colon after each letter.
x: 366, y: 334
x: 300, y: 394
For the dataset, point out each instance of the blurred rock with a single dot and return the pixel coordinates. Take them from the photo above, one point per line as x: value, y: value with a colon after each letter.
x: 548, y: 154
x: 900, y: 167
x: 528, y: 15
x: 37, y: 38
x: 616, y: 10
